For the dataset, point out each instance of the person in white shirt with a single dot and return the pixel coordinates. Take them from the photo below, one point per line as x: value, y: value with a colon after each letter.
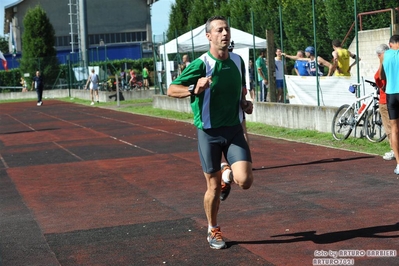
x: 93, y: 79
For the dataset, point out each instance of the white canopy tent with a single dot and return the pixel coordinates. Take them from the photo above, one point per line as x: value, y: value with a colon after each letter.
x: 196, y: 41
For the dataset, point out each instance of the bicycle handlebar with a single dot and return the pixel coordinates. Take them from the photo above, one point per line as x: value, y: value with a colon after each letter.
x: 371, y: 83
x: 354, y: 87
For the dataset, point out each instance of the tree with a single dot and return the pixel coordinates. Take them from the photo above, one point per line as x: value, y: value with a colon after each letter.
x: 333, y: 19
x: 178, y: 18
x: 201, y: 10
x: 38, y: 52
x: 3, y: 45
x: 340, y: 16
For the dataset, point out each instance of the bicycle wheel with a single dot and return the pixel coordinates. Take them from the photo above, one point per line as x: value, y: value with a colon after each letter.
x: 373, y: 127
x: 343, y: 122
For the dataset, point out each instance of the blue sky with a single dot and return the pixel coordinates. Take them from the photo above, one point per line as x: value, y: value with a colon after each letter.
x: 159, y: 15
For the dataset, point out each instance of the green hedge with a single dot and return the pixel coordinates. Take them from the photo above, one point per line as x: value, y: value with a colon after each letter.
x: 10, y: 78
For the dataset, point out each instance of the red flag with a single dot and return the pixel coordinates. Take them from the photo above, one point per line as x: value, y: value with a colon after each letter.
x: 4, y: 61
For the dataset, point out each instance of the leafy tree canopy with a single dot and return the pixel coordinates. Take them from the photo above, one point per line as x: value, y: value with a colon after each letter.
x: 38, y: 52
x: 3, y: 45
x: 333, y: 19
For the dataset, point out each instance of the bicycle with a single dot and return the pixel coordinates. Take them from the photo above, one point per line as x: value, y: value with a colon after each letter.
x: 135, y: 84
x: 348, y: 116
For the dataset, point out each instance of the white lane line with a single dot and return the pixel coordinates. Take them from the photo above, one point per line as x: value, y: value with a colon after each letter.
x: 68, y: 151
x: 115, y: 138
x: 151, y: 128
x: 31, y: 128
x: 125, y: 122
x: 3, y: 161
x: 131, y: 144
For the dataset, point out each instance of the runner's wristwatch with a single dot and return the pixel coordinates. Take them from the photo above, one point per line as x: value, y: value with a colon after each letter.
x: 191, y: 89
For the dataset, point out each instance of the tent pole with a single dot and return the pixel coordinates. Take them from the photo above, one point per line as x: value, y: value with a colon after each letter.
x: 357, y: 41
x: 177, y: 49
x: 192, y: 44
x: 154, y: 58
x: 254, y: 55
x: 282, y: 48
x: 315, y: 54
x: 164, y: 66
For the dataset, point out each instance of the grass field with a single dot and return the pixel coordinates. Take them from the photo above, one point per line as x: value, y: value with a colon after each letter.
x: 144, y: 106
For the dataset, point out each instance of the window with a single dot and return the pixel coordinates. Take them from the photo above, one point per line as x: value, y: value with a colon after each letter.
x: 107, y: 38
x: 96, y: 39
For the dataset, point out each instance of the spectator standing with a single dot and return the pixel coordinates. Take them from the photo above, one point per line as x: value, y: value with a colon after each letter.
x: 251, y: 71
x: 122, y: 76
x: 389, y: 71
x: 216, y: 84
x: 301, y: 67
x: 383, y: 103
x: 38, y: 84
x: 185, y: 62
x: 145, y: 77
x: 262, y: 75
x: 93, y: 80
x: 341, y: 59
x: 24, y: 85
x: 278, y: 60
x: 132, y: 75
x: 311, y: 59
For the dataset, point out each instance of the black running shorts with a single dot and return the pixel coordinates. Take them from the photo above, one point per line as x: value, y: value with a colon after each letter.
x: 229, y: 141
x: 393, y: 105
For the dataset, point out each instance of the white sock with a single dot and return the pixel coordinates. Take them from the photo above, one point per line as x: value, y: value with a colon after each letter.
x: 210, y: 227
x: 227, y: 176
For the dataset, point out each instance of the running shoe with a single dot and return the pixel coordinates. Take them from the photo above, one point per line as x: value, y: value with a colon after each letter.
x: 215, y: 238
x: 226, y: 186
x: 389, y: 156
x: 396, y: 171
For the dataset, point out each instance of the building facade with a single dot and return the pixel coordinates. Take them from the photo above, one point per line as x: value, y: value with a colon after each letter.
x: 106, y: 22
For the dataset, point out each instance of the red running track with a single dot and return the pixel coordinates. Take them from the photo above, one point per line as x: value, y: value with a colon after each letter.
x: 82, y: 185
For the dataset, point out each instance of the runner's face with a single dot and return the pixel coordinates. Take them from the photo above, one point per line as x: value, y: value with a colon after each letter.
x: 219, y: 35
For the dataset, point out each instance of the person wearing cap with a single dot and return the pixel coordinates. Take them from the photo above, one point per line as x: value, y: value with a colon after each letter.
x: 311, y: 59
x: 341, y: 59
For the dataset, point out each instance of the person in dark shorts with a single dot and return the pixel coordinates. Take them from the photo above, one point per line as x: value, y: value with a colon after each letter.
x: 389, y: 71
x: 216, y: 84
x: 38, y: 85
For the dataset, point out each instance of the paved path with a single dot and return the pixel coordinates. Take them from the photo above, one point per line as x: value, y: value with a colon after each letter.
x: 81, y: 185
